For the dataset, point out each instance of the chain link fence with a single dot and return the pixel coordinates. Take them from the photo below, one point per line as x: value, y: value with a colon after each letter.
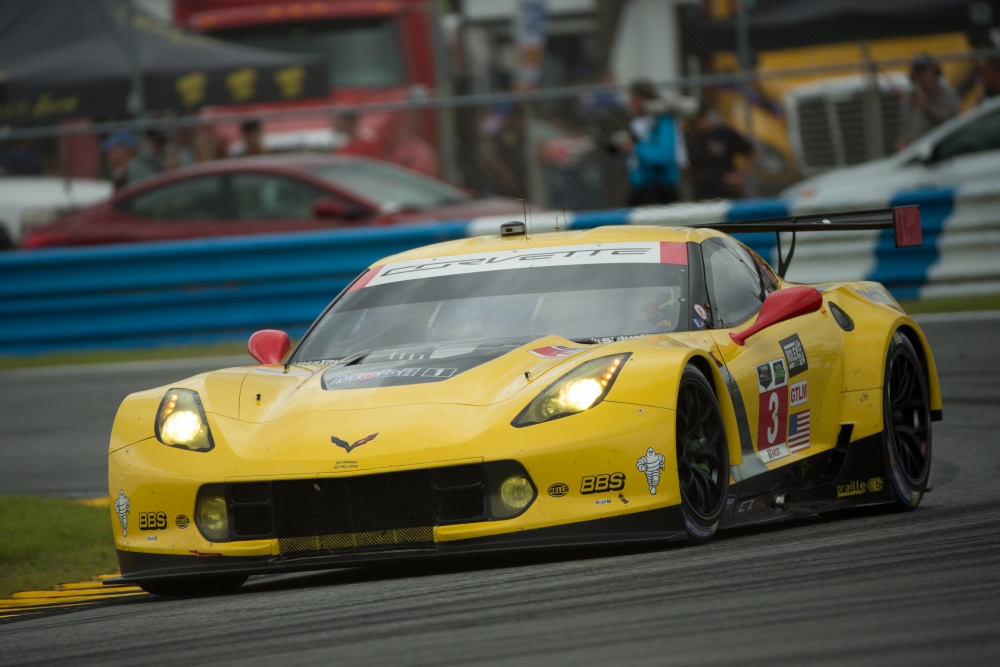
x: 752, y: 118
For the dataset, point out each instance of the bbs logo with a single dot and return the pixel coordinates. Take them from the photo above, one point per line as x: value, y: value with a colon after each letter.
x: 602, y: 483
x: 152, y: 520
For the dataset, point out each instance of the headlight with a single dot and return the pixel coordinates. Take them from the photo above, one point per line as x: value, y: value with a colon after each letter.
x: 211, y: 513
x: 181, y: 422
x: 511, y: 490
x: 579, y: 390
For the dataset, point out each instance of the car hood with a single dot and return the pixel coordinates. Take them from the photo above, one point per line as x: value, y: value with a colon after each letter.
x: 474, y: 373
x: 870, y: 174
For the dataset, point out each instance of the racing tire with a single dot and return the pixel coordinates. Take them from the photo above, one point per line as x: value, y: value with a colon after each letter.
x: 702, y: 456
x: 192, y: 587
x: 906, y: 416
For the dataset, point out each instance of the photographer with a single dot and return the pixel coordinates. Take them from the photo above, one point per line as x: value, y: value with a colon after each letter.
x: 654, y: 147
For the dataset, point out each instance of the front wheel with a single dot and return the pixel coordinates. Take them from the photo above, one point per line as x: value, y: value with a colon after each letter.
x: 193, y: 587
x: 906, y: 423
x: 702, y: 456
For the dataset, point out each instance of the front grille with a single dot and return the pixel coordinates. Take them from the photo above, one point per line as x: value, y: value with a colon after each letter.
x: 366, y: 513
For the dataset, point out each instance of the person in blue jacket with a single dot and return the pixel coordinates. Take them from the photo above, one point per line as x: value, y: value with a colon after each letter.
x: 654, y: 147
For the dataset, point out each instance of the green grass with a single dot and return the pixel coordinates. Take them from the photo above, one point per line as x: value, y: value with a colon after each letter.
x: 51, y: 541
x: 952, y: 304
x: 138, y: 354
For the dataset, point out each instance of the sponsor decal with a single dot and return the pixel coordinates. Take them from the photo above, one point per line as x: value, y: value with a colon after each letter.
x: 798, y: 393
x: 438, y: 372
x: 152, y: 520
x: 599, y: 253
x: 603, y: 501
x: 779, y: 373
x: 363, y: 376
x: 798, y: 431
x: 602, y: 483
x: 753, y: 505
x: 556, y: 351
x: 621, y: 497
x: 182, y: 521
x: 772, y: 386
x: 730, y: 499
x: 151, y: 538
x: 795, y: 355
x: 651, y: 463
x: 357, y: 443
x: 764, y: 377
x: 558, y: 490
x: 857, y: 488
x: 700, y: 309
x: 698, y: 323
x: 122, y: 508
x: 345, y: 465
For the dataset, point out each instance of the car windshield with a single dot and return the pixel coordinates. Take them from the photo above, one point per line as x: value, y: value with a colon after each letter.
x: 582, y: 293
x: 390, y: 186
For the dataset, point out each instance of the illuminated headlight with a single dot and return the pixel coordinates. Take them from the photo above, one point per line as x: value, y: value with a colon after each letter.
x: 181, y: 422
x: 579, y: 390
x: 211, y: 513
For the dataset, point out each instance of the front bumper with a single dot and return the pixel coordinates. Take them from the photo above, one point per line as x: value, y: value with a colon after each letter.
x: 657, y: 525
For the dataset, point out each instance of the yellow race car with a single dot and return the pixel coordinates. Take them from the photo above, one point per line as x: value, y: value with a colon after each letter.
x: 616, y: 385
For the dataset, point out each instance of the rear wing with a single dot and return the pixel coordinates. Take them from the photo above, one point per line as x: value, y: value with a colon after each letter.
x: 903, y: 220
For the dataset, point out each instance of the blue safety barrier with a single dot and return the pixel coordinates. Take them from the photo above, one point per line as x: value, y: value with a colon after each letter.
x: 188, y: 292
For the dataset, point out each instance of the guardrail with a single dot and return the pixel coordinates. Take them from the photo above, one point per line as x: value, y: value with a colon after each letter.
x: 211, y: 290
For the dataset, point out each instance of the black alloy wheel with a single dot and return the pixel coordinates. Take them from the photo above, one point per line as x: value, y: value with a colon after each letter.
x: 193, y: 587
x: 906, y: 423
x: 702, y: 456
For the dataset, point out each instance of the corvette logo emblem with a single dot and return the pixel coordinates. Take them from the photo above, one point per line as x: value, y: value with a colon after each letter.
x: 348, y: 447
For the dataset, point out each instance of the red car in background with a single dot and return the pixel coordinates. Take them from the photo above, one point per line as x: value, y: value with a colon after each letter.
x: 266, y: 195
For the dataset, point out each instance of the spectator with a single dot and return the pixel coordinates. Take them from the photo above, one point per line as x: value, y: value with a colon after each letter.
x: 358, y: 141
x: 931, y: 102
x: 989, y: 74
x: 412, y: 150
x: 150, y: 159
x: 208, y: 146
x: 119, y: 149
x: 252, y: 132
x: 713, y: 149
x: 505, y: 154
x: 653, y: 146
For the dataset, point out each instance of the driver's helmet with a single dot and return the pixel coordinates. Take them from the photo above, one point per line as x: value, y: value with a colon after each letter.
x: 664, y: 311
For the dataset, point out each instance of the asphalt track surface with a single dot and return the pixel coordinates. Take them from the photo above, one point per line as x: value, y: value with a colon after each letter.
x: 921, y: 588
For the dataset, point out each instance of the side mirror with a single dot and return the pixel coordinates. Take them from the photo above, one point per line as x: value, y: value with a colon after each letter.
x: 781, y: 306
x: 331, y: 208
x: 269, y: 346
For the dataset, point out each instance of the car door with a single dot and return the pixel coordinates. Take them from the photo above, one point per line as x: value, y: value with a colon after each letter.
x: 265, y: 202
x: 787, y: 377
x: 186, y: 208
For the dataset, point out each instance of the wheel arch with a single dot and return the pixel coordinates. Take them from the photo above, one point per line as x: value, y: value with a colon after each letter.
x: 719, y: 386
x: 916, y: 337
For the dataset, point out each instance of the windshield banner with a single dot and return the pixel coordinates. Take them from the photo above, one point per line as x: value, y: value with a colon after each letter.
x: 527, y: 258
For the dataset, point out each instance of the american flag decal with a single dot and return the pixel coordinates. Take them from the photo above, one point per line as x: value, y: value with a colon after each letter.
x: 798, y: 431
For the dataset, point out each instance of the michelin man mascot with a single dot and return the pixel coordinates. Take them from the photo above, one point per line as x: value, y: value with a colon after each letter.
x: 651, y: 464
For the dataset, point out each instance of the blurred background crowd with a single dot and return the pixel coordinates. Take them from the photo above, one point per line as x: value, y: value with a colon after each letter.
x: 571, y: 104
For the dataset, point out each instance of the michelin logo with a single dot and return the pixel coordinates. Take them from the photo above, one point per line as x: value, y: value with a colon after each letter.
x: 122, y: 507
x: 651, y: 464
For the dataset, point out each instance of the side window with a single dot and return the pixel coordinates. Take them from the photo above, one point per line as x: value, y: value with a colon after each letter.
x: 735, y: 286
x: 770, y: 280
x: 982, y: 134
x: 267, y: 197
x: 193, y: 199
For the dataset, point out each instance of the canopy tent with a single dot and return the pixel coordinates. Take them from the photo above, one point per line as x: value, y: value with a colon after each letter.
x: 63, y: 59
x: 782, y: 24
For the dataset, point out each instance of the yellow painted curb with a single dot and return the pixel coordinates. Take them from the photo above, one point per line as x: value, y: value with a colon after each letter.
x: 75, y: 594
